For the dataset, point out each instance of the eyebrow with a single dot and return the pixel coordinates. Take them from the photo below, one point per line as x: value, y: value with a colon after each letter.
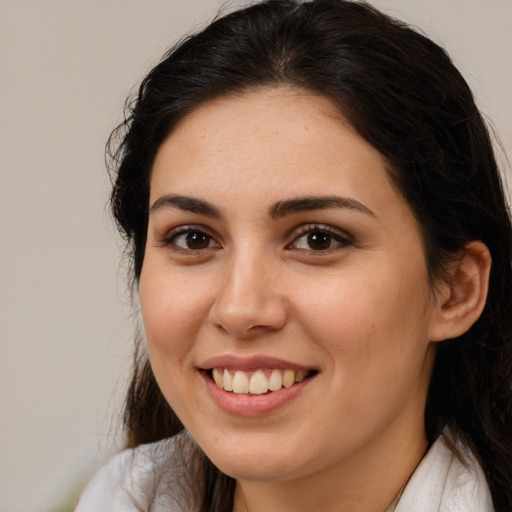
x: 276, y: 211
x: 187, y: 204
x: 303, y: 204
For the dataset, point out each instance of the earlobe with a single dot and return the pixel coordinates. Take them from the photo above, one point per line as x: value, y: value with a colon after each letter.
x: 461, y: 300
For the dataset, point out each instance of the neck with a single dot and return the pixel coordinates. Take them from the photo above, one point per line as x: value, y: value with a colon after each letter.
x: 368, y: 481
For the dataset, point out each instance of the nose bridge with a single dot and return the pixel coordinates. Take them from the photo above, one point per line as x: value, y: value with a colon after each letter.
x: 247, y: 299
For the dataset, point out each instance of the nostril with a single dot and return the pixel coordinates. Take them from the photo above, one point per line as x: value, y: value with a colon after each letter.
x: 244, y: 308
x: 245, y: 325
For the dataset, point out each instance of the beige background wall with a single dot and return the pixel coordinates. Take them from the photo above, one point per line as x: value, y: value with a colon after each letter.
x: 65, y: 69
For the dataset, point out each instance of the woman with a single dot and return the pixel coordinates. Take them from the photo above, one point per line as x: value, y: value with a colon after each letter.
x: 322, y: 252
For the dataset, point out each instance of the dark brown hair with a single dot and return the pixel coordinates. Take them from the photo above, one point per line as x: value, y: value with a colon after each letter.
x: 405, y: 97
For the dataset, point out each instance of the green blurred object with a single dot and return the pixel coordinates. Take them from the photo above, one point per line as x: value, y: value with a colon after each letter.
x: 68, y: 503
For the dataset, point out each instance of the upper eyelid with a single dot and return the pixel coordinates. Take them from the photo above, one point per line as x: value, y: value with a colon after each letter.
x: 183, y: 229
x: 292, y: 234
x: 315, y: 226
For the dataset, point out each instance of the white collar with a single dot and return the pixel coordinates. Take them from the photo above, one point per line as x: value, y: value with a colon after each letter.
x: 443, y: 483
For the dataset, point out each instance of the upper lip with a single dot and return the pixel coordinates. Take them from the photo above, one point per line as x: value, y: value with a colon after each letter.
x: 231, y: 362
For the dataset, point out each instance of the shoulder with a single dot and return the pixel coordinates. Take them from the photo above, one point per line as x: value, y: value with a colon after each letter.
x: 148, y: 477
x: 443, y: 482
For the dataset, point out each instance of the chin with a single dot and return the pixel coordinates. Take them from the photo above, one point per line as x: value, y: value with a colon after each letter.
x: 256, y: 471
x: 255, y: 464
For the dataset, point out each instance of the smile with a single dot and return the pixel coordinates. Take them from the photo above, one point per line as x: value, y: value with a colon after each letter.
x: 255, y: 386
x: 257, y: 382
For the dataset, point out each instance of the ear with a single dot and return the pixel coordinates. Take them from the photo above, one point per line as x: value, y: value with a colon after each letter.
x: 461, y: 300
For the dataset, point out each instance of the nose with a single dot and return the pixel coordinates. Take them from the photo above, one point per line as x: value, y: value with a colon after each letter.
x: 248, y: 300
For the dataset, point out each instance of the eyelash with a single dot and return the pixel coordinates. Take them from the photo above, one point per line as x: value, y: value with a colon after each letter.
x: 170, y: 239
x: 341, y: 239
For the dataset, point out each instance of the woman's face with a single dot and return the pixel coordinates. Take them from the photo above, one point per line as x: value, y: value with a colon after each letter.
x: 279, y: 255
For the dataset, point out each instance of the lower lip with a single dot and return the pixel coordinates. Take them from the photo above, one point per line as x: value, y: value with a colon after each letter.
x: 253, y: 405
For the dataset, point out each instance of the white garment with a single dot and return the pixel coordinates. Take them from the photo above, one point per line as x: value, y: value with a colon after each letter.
x: 442, y: 483
x: 149, y: 476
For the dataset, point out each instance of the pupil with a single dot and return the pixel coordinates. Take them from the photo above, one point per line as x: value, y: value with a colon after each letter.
x: 319, y: 241
x: 197, y: 240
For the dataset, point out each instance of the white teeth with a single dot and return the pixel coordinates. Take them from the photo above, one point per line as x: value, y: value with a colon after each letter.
x: 258, y: 383
x: 240, y: 383
x: 276, y: 380
x: 228, y: 381
x: 218, y: 377
x: 288, y: 378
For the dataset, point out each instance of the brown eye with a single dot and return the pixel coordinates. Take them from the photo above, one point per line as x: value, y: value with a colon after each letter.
x: 191, y: 240
x: 319, y: 241
x: 197, y: 240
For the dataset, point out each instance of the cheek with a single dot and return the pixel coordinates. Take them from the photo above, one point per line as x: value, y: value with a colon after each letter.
x: 172, y: 310
x: 374, y: 333
x: 171, y: 313
x: 364, y: 317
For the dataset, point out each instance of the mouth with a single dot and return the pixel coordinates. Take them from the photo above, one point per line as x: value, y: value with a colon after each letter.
x: 255, y: 387
x: 262, y: 381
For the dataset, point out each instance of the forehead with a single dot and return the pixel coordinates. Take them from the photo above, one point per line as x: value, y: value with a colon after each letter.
x: 271, y: 141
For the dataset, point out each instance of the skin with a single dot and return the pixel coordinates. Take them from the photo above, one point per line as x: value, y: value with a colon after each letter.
x: 361, y: 312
